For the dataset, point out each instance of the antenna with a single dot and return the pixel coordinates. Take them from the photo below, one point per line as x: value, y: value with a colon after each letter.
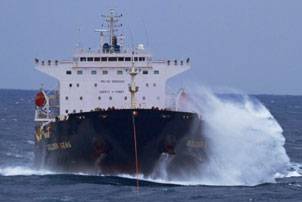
x: 112, y: 23
x: 78, y: 44
x: 146, y: 33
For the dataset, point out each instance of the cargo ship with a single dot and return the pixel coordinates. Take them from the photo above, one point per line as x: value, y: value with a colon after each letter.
x: 112, y: 114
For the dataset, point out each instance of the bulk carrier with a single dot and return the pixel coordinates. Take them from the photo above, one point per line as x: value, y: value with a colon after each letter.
x: 111, y: 113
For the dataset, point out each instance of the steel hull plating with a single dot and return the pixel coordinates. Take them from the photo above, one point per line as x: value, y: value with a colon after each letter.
x: 103, y: 141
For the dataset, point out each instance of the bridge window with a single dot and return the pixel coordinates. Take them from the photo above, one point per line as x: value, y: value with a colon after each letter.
x: 104, y: 59
x: 156, y: 72
x: 79, y: 72
x: 127, y: 59
x: 105, y: 72
x: 145, y: 72
x: 89, y: 59
x: 97, y: 59
x: 120, y: 59
x: 93, y: 72
x: 68, y: 72
x: 83, y: 59
x: 119, y: 72
x: 141, y: 59
x: 112, y: 59
x: 135, y: 58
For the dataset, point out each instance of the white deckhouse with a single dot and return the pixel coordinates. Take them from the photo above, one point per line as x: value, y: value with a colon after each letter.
x: 111, y: 76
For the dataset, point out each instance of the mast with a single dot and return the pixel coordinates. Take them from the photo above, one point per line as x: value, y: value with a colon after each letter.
x: 112, y: 20
x: 133, y: 88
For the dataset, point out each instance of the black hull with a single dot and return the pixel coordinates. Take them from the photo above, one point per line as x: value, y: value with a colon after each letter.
x: 103, y: 141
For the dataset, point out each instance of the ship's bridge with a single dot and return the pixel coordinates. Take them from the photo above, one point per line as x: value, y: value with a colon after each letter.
x: 111, y: 76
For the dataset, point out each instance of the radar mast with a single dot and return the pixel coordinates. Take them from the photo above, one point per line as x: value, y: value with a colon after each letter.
x: 112, y: 20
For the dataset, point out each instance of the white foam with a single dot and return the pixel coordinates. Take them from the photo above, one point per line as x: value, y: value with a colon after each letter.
x: 245, y: 143
x: 24, y: 171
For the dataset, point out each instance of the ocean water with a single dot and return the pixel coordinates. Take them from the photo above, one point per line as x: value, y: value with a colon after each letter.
x: 255, y: 155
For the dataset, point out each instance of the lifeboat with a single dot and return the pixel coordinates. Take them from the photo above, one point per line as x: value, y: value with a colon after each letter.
x: 40, y: 99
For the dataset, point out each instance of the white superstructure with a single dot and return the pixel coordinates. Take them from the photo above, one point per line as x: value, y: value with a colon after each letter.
x: 104, y: 78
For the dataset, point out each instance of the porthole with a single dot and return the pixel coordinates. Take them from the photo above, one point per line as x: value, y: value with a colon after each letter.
x: 66, y: 98
x: 147, y: 85
x: 70, y: 85
x: 144, y: 98
x: 78, y: 85
x: 154, y: 84
x: 125, y: 98
x: 99, y: 98
x: 110, y: 98
x: 66, y: 111
x: 95, y: 85
x: 81, y: 98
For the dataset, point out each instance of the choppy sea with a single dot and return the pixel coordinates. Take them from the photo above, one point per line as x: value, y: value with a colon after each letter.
x: 256, y: 155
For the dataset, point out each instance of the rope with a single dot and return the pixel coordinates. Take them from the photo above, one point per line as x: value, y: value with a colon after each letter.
x: 135, y: 150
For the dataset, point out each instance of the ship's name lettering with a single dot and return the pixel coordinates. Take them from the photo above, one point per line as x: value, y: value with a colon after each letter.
x: 195, y: 143
x: 117, y: 91
x: 112, y: 81
x: 105, y: 81
x: 104, y: 91
x: 118, y: 81
x: 57, y: 146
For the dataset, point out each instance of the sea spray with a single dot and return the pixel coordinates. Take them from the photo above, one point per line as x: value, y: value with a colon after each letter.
x: 245, y: 145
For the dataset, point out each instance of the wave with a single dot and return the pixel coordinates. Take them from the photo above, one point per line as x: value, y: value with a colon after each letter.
x: 245, y: 146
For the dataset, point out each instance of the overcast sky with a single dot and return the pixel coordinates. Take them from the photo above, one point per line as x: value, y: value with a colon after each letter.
x: 251, y: 45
